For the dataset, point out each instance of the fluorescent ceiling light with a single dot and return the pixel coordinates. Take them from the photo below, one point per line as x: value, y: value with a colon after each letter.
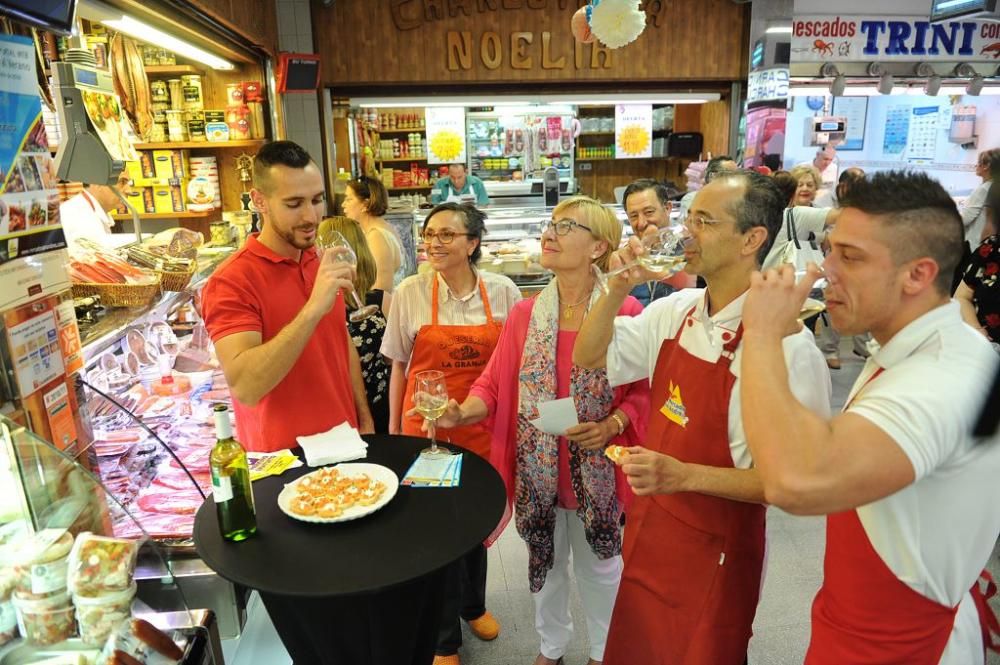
x: 147, y: 33
x: 582, y: 99
x: 779, y: 30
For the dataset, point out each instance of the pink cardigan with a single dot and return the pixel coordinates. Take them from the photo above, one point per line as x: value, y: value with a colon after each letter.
x: 497, y: 386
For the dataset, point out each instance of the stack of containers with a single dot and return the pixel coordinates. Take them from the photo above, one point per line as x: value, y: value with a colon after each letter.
x: 41, y: 598
x: 206, y: 166
x: 8, y: 615
x: 100, y: 579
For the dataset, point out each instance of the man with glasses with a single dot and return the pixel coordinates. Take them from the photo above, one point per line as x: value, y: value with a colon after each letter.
x: 694, y: 547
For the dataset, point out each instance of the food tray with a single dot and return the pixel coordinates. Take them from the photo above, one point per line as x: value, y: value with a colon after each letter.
x: 374, y: 471
x: 120, y: 295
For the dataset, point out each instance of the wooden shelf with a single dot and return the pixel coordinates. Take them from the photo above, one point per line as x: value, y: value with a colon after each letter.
x: 404, y: 159
x: 609, y: 159
x: 164, y: 215
x: 597, y: 133
x: 171, y: 70
x: 201, y: 145
x: 408, y: 189
x: 422, y: 130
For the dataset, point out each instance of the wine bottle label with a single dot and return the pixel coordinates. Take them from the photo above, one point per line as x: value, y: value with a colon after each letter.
x: 222, y: 488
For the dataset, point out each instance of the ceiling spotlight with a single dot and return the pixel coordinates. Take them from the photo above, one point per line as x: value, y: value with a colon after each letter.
x: 875, y: 69
x: 924, y: 70
x: 829, y: 70
x: 975, y: 85
x: 886, y: 83
x: 965, y: 70
x: 838, y: 86
x: 933, y: 85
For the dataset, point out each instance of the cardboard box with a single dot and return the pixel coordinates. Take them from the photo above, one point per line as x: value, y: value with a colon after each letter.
x: 169, y: 164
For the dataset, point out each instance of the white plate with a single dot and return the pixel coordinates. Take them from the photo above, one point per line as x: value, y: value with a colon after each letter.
x: 377, y: 472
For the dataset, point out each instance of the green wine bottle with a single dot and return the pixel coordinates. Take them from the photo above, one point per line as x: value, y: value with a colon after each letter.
x: 231, y: 488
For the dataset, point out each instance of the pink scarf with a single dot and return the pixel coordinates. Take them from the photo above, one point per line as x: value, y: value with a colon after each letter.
x: 537, y: 455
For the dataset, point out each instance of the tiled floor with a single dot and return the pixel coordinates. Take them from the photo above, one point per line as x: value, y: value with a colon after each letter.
x: 781, y: 631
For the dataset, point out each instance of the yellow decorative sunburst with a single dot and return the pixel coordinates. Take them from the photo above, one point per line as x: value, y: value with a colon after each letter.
x: 633, y: 140
x: 447, y: 145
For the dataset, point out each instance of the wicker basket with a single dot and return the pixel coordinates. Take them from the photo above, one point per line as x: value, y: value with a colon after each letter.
x: 120, y: 295
x: 175, y: 281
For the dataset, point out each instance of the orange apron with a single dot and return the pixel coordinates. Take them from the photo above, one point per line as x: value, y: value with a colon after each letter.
x: 461, y: 352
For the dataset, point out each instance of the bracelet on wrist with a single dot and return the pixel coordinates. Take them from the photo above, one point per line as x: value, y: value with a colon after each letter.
x: 621, y: 423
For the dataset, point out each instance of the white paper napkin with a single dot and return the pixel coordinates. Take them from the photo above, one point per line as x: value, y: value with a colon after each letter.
x: 556, y: 416
x: 340, y: 444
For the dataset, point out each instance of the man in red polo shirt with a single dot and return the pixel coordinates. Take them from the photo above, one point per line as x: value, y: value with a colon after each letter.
x: 274, y: 314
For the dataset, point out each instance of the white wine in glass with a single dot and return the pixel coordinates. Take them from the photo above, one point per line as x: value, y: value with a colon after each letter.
x: 336, y: 243
x: 664, y: 256
x: 430, y: 398
x: 810, y: 308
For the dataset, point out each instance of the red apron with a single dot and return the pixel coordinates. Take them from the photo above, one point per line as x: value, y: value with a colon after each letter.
x: 693, y: 562
x: 461, y: 352
x: 864, y: 614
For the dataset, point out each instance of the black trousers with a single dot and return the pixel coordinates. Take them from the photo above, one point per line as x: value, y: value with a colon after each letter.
x: 464, y: 598
x: 397, y: 626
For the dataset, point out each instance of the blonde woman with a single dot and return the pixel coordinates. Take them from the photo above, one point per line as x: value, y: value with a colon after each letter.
x: 365, y: 201
x: 808, y: 182
x: 579, y: 508
x: 367, y: 333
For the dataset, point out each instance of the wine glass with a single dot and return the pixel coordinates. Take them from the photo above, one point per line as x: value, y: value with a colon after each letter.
x: 430, y: 397
x: 336, y: 243
x: 664, y: 255
x: 812, y: 306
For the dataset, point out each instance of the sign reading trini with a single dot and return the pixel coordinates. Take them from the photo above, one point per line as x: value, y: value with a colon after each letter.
x: 892, y: 38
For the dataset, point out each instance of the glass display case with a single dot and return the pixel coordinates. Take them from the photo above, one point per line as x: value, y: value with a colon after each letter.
x: 51, y: 509
x: 516, y: 146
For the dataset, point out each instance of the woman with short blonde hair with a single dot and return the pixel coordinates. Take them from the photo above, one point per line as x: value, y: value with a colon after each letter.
x: 808, y: 180
x: 579, y: 508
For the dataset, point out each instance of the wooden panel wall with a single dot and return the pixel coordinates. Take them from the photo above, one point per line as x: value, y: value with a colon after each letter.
x: 427, y: 42
x: 604, y: 176
x: 255, y: 20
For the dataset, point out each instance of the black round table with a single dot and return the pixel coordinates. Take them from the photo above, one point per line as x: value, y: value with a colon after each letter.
x: 419, y: 531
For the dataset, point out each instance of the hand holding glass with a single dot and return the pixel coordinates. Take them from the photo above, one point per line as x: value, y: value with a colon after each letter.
x: 336, y: 243
x: 430, y: 398
x: 663, y: 255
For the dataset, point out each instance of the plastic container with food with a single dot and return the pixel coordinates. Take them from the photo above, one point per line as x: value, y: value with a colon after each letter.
x: 98, y: 564
x: 8, y: 615
x: 99, y: 614
x: 46, y: 621
x: 40, y: 564
x: 141, y: 641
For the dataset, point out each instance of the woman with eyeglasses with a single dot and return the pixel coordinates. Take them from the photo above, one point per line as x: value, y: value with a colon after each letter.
x: 449, y: 319
x: 365, y: 201
x: 578, y: 507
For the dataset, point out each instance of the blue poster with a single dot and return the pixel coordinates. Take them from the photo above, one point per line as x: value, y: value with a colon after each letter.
x: 20, y: 106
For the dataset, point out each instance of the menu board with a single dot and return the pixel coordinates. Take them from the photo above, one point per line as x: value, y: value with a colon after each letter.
x: 29, y: 200
x: 923, y: 135
x: 855, y: 111
x: 446, y: 135
x: 897, y: 130
x: 633, y: 131
x: 35, y: 352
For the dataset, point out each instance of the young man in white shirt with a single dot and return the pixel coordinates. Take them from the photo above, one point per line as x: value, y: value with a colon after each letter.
x: 909, y: 493
x: 694, y: 547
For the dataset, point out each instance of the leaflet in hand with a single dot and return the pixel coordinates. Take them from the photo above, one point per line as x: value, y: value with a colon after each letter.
x: 435, y: 472
x: 556, y: 416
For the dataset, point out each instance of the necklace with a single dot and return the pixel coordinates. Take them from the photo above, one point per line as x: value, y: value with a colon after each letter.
x: 568, y: 309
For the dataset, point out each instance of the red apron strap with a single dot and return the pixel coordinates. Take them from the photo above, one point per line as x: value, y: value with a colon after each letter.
x: 486, y: 300
x: 434, y: 300
x: 987, y: 617
x: 482, y: 293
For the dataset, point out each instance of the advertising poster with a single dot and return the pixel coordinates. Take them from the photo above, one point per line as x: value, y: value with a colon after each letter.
x: 634, y: 131
x: 445, y: 135
x: 923, y: 135
x: 29, y: 200
x: 855, y: 111
x: 35, y: 352
x: 106, y: 115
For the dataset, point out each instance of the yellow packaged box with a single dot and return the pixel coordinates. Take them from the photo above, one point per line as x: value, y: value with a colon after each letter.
x: 134, y: 171
x: 170, y: 163
x: 167, y: 199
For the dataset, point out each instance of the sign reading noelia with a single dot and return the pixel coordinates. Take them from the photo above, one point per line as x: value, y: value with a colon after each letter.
x: 892, y: 38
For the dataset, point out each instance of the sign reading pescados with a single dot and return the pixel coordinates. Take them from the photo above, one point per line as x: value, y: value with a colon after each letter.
x: 892, y: 38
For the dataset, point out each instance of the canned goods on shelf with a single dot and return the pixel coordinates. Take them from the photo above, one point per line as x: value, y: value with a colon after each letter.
x: 191, y: 90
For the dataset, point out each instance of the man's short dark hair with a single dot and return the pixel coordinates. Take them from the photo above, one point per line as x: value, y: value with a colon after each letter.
x: 918, y: 214
x: 848, y: 178
x: 473, y: 218
x: 786, y: 184
x: 462, y: 164
x: 762, y: 204
x: 641, y: 185
x: 277, y: 153
x: 715, y: 167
